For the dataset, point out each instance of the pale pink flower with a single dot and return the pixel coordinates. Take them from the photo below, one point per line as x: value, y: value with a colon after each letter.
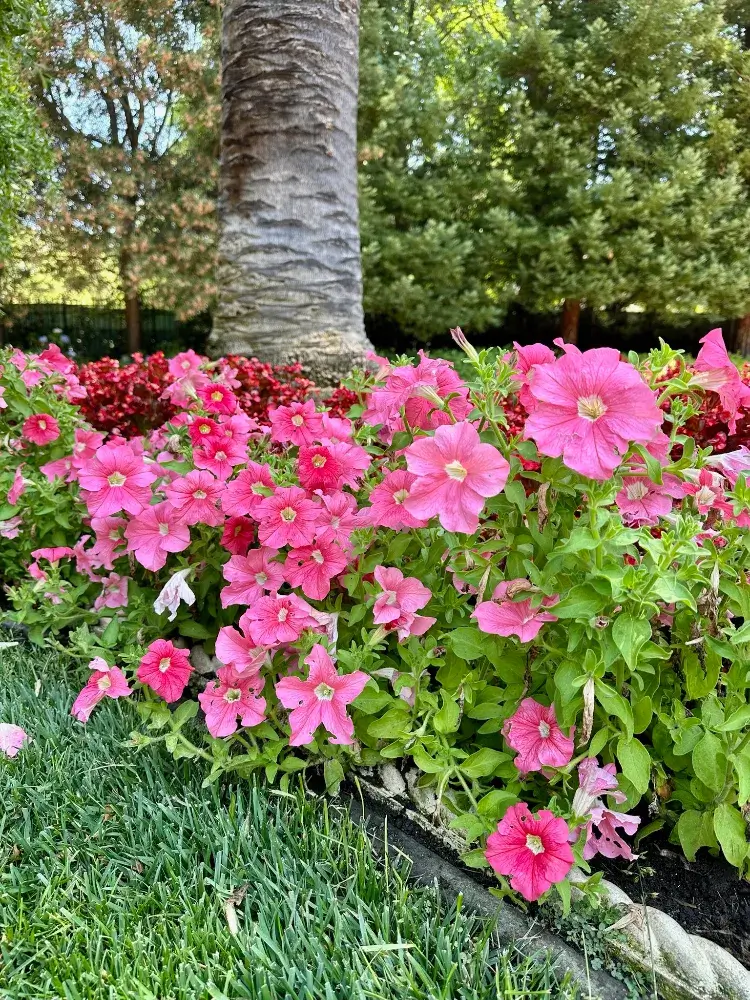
x: 708, y: 493
x: 110, y: 539
x: 114, y: 592
x: 238, y: 535
x: 166, y: 669
x: 217, y: 398
x: 387, y: 501
x: 12, y: 739
x: 86, y: 559
x: 534, y: 732
x: 312, y: 567
x: 455, y: 473
x: 602, y: 836
x: 337, y: 519
x: 174, y: 592
x: 230, y: 698
x: 318, y: 468
x: 247, y: 492
x: 41, y: 429
x: 337, y: 428
x: 18, y: 487
x: 61, y: 468
x: 277, y: 619
x: 85, y: 446
x: 3, y: 401
x: 105, y: 682
x: 418, y: 390
x: 184, y: 364
x: 731, y: 463
x: 642, y: 502
x: 251, y: 576
x: 11, y: 527
x: 155, y: 532
x: 320, y: 700
x: 589, y: 408
x: 297, y: 423
x: 504, y: 616
x: 116, y: 479
x: 527, y: 359
x: 532, y: 850
x: 236, y: 649
x: 714, y: 370
x: 354, y: 461
x: 287, y: 518
x: 196, y: 498
x: 54, y: 554
x: 401, y: 595
x: 219, y: 455
x: 408, y: 624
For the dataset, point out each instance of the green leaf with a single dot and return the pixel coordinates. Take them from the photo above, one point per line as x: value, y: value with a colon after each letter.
x: 371, y: 700
x: 737, y: 720
x: 672, y: 591
x: 424, y: 761
x: 446, y: 720
x: 333, y: 775
x: 630, y: 634
x: 466, y: 642
x: 110, y: 634
x: 741, y: 763
x: 483, y: 763
x: 730, y: 830
x: 187, y: 710
x: 615, y: 705
x: 582, y: 602
x: 635, y: 761
x: 709, y: 762
x: 393, y: 724
x: 194, y: 629
x: 516, y: 494
x: 695, y: 829
x: 495, y: 802
x: 475, y: 859
x: 357, y: 613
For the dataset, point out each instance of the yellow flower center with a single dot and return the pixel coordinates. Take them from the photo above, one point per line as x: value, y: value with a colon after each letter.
x: 400, y: 495
x: 319, y: 461
x: 298, y: 420
x: 217, y: 396
x: 104, y: 683
x: 288, y: 514
x: 591, y: 407
x: 456, y: 471
x: 200, y: 495
x: 116, y: 479
x: 233, y: 694
x: 164, y: 664
x: 324, y: 692
x: 534, y: 844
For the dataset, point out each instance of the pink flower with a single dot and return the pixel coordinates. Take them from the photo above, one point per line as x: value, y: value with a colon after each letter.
x: 354, y: 461
x: 247, y: 492
x: 61, y: 468
x: 532, y: 850
x: 508, y: 617
x: 297, y: 423
x: 236, y: 649
x: 219, y: 455
x: 602, y: 836
x: 410, y: 624
x: 184, y: 364
x: 18, y: 488
x: 202, y: 429
x: 321, y: 700
x: 287, y: 518
x: 105, y: 682
x: 419, y: 390
x: 337, y: 519
x: 3, y: 406
x: 231, y: 698
x: 715, y: 371
x: 217, y: 398
x: 84, y: 562
x: 387, y: 501
x: 53, y: 555
x: 642, y: 502
x: 708, y: 493
x: 41, y: 429
x: 337, y: 428
x: 116, y: 479
x: 312, y: 567
x: 11, y: 527
x: 732, y: 463
x: 155, y: 532
x: 12, y: 739
x: 238, y: 535
x: 455, y: 473
x: 166, y: 669
x: 251, y: 576
x: 196, y: 498
x: 533, y: 731
x: 114, y: 592
x: 589, y: 407
x: 401, y: 595
x: 276, y: 620
x: 85, y: 446
x: 110, y: 537
x: 318, y: 468
x: 527, y: 360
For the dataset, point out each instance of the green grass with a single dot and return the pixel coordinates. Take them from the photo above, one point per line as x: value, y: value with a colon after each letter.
x: 116, y: 868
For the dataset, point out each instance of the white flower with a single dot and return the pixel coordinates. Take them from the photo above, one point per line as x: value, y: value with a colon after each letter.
x: 175, y: 590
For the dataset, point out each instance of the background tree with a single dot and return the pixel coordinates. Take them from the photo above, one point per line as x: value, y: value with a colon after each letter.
x: 289, y: 251
x: 129, y: 93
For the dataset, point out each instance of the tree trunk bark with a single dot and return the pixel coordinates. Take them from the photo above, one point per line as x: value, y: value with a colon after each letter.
x: 742, y: 336
x: 571, y: 314
x: 289, y: 272
x: 133, y: 321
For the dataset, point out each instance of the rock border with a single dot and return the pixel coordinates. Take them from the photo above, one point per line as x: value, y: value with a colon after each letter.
x: 685, y: 966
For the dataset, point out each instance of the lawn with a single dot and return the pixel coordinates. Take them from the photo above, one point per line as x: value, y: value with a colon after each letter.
x: 121, y: 877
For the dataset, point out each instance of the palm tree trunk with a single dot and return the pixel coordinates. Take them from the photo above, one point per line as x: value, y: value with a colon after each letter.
x: 289, y: 258
x: 571, y: 315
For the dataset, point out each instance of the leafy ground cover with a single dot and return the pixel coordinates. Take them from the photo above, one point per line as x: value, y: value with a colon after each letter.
x: 121, y: 877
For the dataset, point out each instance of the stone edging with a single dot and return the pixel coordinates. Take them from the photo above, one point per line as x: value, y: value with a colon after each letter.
x: 685, y: 966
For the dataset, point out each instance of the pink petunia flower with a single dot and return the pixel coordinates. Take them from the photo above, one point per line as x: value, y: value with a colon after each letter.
x: 196, y: 497
x: 714, y: 370
x: 532, y: 850
x: 3, y: 406
x: 217, y: 398
x: 298, y: 423
x: 455, y: 473
x: 166, y: 669
x: 86, y: 559
x: 318, y: 468
x: 185, y: 364
x: 642, y: 502
x: 354, y: 461
x: 238, y: 535
x: 276, y: 619
x: 41, y: 429
x: 116, y: 479
x: 110, y: 539
x: 337, y: 428
x: 401, y: 595
x: 589, y: 408
x: 732, y: 464
x: 708, y: 493
x: 219, y: 455
x: 54, y: 554
x: 11, y: 527
x: 202, y: 429
x: 287, y: 518
x: 312, y: 567
x: 408, y: 624
x: 114, y: 592
x: 419, y: 390
x: 236, y: 649
x: 321, y: 700
x: 387, y: 501
x: 534, y: 732
x: 247, y: 492
x: 12, y: 739
x: 154, y: 533
x: 251, y: 576
x: 338, y: 517
x: 527, y: 359
x: 232, y: 697
x: 504, y: 616
x: 602, y: 836
x: 18, y: 487
x: 85, y: 445
x: 105, y: 682
x: 61, y: 468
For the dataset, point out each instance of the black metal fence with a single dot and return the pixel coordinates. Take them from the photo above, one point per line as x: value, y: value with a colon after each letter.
x: 93, y: 333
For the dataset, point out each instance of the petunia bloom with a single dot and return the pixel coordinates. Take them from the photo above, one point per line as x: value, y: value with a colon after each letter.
x: 338, y: 517
x: 312, y: 567
x: 455, y: 473
x: 642, y: 502
x: 602, y: 836
x: 104, y: 682
x: 589, y: 407
x: 527, y: 359
x: 287, y: 518
x: 238, y: 535
x: 155, y: 532
x: 275, y: 620
x: 116, y: 479
x: 534, y: 732
x: 532, y: 850
x: 18, y: 487
x: 298, y: 423
x: 244, y: 494
x: 12, y: 739
x: 217, y: 398
x: 236, y: 649
x: 173, y: 593
x: 232, y: 697
x: 251, y: 576
x: 320, y: 700
x: 41, y: 429
x: 387, y: 501
x: 401, y: 595
x: 114, y: 592
x: 166, y: 669
x: 714, y: 370
x: 196, y: 497
x: 503, y: 616
x: 318, y: 468
x: 219, y: 456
